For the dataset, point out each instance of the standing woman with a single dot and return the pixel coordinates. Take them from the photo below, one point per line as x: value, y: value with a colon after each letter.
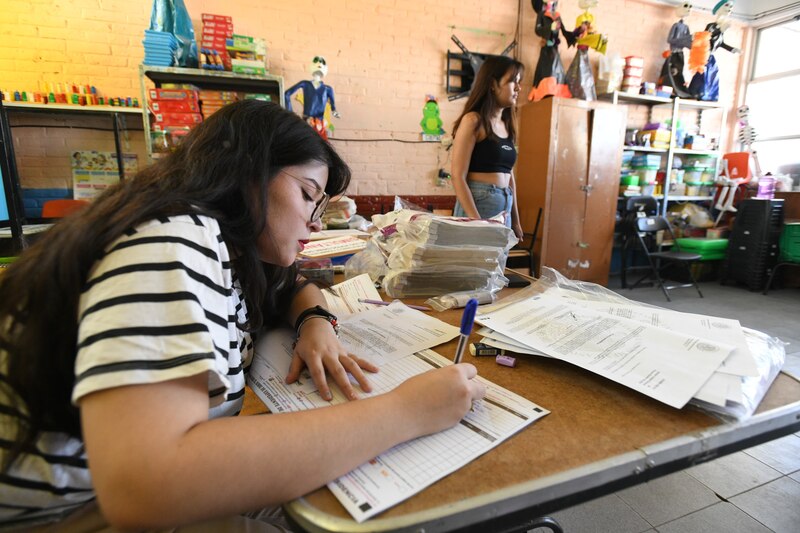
x: 126, y: 334
x: 483, y: 145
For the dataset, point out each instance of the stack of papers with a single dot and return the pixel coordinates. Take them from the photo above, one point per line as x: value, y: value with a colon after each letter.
x: 395, y: 338
x: 429, y: 255
x: 667, y: 355
x: 344, y: 245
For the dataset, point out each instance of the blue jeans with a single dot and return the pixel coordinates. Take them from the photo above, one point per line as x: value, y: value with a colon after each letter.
x: 489, y: 199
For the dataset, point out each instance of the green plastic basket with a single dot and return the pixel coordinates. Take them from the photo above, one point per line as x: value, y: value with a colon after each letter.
x: 790, y: 242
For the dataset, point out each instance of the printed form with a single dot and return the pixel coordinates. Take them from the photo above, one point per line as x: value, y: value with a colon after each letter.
x: 406, y: 469
x: 664, y: 365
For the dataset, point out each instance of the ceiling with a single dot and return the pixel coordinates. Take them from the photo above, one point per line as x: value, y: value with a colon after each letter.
x: 753, y: 11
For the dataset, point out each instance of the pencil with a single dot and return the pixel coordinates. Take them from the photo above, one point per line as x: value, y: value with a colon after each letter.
x: 381, y: 302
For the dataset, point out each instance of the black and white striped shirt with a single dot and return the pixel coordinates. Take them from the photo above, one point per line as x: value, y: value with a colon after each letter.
x: 162, y: 303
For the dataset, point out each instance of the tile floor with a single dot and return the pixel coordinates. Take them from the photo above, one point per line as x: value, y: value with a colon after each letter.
x: 754, y: 490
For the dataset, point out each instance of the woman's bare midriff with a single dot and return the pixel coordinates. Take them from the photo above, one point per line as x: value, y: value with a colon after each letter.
x: 498, y: 179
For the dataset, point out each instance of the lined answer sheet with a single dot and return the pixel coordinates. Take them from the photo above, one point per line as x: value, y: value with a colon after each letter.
x: 407, y: 468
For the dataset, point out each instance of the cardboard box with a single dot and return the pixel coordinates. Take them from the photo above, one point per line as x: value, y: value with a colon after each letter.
x: 172, y: 94
x: 175, y: 106
x: 178, y: 119
x: 208, y: 17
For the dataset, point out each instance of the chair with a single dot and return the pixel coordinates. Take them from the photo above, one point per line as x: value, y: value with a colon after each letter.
x: 646, y: 230
x: 635, y: 208
x: 62, y: 208
x: 522, y: 254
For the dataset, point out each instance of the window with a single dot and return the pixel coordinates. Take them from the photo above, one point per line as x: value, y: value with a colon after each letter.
x: 772, y: 96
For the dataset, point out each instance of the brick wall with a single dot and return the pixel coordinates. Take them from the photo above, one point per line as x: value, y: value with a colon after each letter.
x: 384, y: 56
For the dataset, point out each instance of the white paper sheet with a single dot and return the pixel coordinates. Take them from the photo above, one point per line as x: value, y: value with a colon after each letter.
x: 407, y: 468
x: 664, y: 365
x: 387, y: 333
x: 351, y: 290
x: 332, y: 233
x: 740, y: 362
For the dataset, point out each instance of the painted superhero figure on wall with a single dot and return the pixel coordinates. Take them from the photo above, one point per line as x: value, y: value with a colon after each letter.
x: 580, y: 79
x: 705, y: 83
x: 679, y: 38
x: 316, y: 96
x: 549, y: 78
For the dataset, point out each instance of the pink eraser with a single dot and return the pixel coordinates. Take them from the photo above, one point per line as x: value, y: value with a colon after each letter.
x: 506, y: 360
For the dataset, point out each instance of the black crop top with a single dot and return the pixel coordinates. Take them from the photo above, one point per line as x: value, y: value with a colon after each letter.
x: 493, y: 155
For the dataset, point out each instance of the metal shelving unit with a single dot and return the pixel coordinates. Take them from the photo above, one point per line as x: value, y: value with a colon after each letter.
x: 676, y: 105
x: 204, y: 79
x: 17, y: 220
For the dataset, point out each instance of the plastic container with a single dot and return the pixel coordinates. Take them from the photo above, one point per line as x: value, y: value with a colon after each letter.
x: 647, y: 175
x: 693, y: 188
x: 693, y: 175
x: 709, y: 249
x: 707, y: 176
x: 629, y: 179
x: 677, y: 175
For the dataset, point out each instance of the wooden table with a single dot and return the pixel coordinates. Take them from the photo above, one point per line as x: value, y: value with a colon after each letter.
x: 599, y: 438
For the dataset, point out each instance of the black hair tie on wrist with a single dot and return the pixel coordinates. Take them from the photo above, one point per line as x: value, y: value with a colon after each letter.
x: 316, y: 312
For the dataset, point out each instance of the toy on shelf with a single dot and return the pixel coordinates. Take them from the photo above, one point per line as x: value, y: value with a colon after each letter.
x: 316, y: 97
x: 736, y: 166
x: 705, y: 82
x: 549, y: 78
x: 68, y: 94
x: 431, y: 122
x: 580, y: 79
x: 679, y: 38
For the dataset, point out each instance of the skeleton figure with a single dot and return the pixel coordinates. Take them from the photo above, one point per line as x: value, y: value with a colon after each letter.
x: 549, y: 78
x: 316, y: 96
x: 728, y: 185
x: 679, y: 38
x: 705, y: 83
x: 580, y: 79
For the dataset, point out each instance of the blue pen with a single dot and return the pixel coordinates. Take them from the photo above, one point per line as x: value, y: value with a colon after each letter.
x: 466, y: 327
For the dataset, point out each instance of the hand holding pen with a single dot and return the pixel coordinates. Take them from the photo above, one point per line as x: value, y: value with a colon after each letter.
x: 467, y: 320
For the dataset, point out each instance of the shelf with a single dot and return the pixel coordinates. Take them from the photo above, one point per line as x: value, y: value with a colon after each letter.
x: 645, y: 149
x: 690, y: 198
x: 215, y: 79
x: 643, y: 99
x: 88, y: 109
x: 688, y: 151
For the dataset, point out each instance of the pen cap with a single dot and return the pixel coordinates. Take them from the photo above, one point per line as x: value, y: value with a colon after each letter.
x: 469, y: 316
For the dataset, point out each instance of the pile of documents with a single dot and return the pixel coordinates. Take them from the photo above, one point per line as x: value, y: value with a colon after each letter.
x: 670, y: 356
x: 429, y: 255
x: 396, y: 338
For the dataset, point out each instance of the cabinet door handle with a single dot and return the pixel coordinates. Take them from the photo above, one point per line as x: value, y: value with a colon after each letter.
x: 583, y: 244
x: 585, y: 264
x: 587, y: 188
x: 572, y: 263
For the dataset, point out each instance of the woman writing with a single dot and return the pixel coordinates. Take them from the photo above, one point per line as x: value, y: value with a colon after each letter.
x: 483, y: 145
x: 126, y: 335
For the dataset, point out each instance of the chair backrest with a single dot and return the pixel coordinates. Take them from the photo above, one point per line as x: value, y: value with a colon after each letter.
x: 652, y: 224
x: 62, y: 208
x: 738, y: 164
x: 641, y: 204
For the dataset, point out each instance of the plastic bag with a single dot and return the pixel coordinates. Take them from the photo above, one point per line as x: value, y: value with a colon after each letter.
x: 172, y: 17
x: 768, y: 352
x: 455, y: 300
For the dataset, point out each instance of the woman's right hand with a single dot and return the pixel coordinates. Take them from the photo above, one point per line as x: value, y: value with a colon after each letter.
x: 438, y: 399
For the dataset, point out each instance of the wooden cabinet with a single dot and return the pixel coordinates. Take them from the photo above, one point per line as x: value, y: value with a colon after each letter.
x: 568, y: 165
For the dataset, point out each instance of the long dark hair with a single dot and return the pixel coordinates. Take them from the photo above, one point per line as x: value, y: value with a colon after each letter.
x: 221, y: 169
x: 482, y: 100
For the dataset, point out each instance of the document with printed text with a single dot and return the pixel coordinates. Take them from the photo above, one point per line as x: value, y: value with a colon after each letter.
x: 407, y: 468
x: 662, y: 364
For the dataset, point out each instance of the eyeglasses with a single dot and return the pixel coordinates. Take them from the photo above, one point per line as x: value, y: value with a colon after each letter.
x: 321, y: 204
